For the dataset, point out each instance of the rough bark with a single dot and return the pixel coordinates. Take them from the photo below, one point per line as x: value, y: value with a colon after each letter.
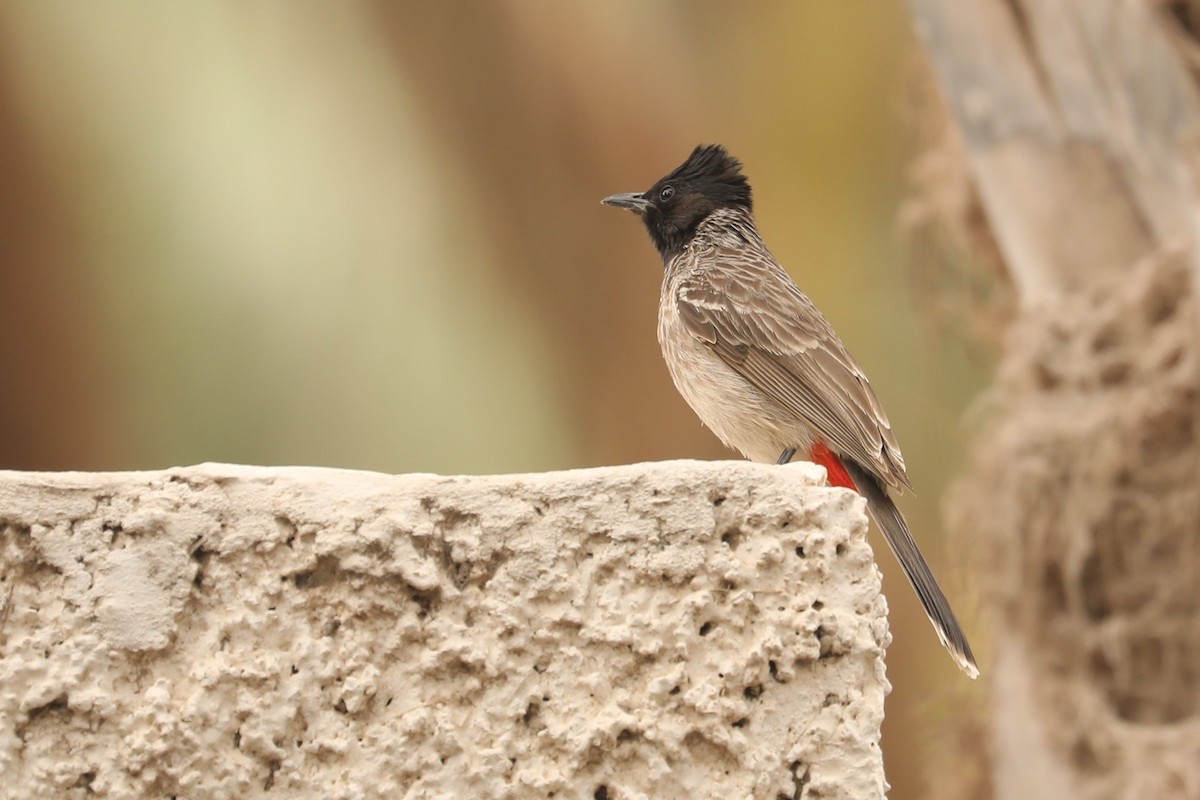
x: 1078, y: 123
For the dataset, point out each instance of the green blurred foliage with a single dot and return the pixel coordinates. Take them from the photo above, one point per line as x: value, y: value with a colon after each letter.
x: 370, y: 236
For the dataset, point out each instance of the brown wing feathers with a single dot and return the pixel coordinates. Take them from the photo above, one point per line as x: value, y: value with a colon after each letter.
x: 806, y: 371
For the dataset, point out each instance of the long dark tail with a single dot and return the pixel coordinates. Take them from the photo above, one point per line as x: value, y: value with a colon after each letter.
x: 900, y: 539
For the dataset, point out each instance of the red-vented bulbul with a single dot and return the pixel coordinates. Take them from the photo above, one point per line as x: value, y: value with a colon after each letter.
x: 760, y: 364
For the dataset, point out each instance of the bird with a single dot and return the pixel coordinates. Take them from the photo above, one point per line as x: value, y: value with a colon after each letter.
x: 760, y: 364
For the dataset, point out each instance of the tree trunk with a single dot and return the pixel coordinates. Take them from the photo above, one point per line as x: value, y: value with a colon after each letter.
x: 1079, y: 123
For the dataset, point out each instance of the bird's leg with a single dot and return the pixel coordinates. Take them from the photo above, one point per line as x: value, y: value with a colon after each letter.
x: 786, y: 455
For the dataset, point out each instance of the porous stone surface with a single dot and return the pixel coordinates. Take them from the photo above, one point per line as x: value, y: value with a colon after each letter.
x: 670, y: 630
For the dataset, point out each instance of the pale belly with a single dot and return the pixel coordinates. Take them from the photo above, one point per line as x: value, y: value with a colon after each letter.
x: 738, y: 413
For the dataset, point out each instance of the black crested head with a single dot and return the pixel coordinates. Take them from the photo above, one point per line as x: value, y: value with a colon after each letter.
x: 710, y: 180
x: 714, y: 174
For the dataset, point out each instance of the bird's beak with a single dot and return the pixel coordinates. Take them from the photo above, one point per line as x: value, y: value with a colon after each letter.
x: 634, y: 201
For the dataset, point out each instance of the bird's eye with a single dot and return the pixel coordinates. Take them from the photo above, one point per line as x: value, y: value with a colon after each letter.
x: 666, y: 193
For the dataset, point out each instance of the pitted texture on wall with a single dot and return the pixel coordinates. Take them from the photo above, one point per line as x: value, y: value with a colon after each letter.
x: 683, y: 629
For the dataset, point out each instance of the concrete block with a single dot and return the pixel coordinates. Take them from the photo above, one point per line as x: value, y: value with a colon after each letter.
x: 669, y: 630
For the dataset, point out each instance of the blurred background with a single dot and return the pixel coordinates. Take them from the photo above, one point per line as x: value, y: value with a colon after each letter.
x: 370, y: 236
